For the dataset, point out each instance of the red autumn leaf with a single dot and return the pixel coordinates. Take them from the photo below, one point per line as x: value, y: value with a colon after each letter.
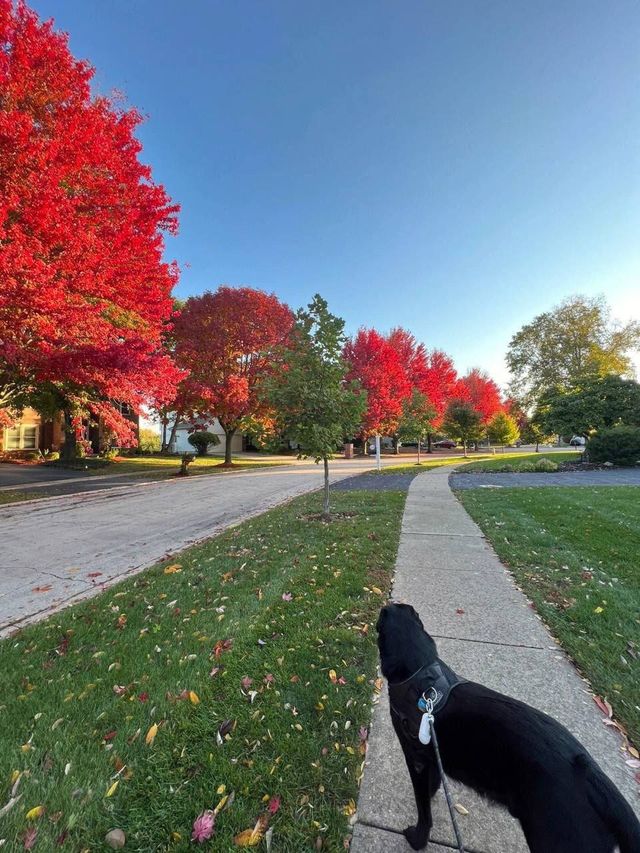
x: 604, y: 706
x: 110, y: 735
x: 45, y: 588
x: 94, y: 574
x: 60, y: 840
x: 143, y: 697
x: 274, y: 805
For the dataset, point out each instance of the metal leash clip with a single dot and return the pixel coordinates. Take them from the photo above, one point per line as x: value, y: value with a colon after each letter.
x: 425, y: 704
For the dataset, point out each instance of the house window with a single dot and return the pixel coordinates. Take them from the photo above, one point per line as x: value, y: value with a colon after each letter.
x: 23, y: 437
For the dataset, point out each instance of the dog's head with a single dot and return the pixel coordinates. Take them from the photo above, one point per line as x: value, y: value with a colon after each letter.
x: 403, y: 643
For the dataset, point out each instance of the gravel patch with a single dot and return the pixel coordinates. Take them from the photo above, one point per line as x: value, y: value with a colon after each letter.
x: 618, y: 477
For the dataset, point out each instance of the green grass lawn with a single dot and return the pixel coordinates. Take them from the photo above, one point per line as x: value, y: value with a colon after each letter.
x: 574, y: 552
x: 12, y: 497
x: 255, y: 659
x: 515, y: 461
x: 166, y: 466
x: 426, y: 463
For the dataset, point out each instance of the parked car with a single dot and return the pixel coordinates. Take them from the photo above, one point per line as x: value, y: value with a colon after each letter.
x: 577, y: 441
x: 445, y: 442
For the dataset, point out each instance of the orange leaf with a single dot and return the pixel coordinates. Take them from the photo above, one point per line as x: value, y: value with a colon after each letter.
x: 171, y: 570
x: 194, y: 698
x: 151, y: 734
x: 252, y: 837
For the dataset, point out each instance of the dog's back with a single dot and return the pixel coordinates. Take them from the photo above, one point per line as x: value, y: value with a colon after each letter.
x: 531, y: 764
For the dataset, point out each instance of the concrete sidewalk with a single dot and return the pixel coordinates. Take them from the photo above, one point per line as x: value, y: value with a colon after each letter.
x: 486, y: 630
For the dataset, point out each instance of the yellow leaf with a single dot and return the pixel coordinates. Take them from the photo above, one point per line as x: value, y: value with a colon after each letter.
x: 319, y: 706
x: 221, y: 789
x: 15, y: 776
x: 221, y: 804
x: 35, y: 813
x: 598, y: 609
x: 377, y: 590
x: 349, y: 809
x: 634, y: 752
x: 175, y: 836
x: 171, y: 570
x: 333, y: 675
x: 151, y: 734
x: 193, y: 696
x: 111, y: 791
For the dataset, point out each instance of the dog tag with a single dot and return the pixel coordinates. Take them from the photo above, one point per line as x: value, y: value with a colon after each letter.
x: 424, y: 735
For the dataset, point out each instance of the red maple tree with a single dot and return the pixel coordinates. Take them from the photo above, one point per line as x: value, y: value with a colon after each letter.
x: 85, y: 290
x: 477, y: 388
x: 379, y: 368
x: 228, y: 341
x: 431, y: 373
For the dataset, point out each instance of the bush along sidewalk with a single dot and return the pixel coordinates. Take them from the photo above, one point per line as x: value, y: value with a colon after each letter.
x: 220, y: 698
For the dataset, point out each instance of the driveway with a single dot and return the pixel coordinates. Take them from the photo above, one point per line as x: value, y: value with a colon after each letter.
x: 60, y: 549
x: 616, y: 477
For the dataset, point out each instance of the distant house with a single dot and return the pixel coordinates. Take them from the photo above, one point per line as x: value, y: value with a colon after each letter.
x: 33, y: 432
x: 181, y: 442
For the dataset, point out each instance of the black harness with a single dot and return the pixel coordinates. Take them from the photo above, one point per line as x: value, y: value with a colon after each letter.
x: 431, y: 681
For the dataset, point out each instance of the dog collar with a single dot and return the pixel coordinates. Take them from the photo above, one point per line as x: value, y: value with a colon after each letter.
x: 405, y: 696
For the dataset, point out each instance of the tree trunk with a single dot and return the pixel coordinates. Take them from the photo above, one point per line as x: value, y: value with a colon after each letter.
x: 228, y: 435
x: 537, y: 447
x: 68, y: 450
x: 418, y: 451
x: 174, y: 430
x: 163, y: 446
x: 429, y: 448
x: 464, y: 445
x: 325, y: 502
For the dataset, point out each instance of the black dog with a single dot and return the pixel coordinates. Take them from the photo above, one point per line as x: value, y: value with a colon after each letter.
x: 502, y: 748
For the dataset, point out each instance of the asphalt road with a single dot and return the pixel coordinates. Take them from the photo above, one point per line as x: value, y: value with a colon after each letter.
x: 60, y: 549
x: 615, y: 477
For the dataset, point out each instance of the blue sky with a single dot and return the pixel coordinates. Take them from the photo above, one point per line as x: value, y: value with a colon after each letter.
x: 454, y: 168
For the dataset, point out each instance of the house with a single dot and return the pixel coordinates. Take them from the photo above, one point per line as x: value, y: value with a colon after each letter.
x: 31, y: 432
x: 185, y: 428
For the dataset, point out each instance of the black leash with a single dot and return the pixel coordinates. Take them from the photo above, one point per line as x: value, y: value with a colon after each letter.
x: 445, y: 787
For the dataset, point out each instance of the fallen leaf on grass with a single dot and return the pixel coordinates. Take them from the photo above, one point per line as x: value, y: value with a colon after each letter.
x: 194, y: 698
x: 203, y: 826
x: 252, y: 837
x: 151, y: 734
x: 274, y: 804
x: 35, y: 813
x: 172, y: 570
x: 29, y: 838
x: 7, y: 808
x: 349, y: 809
x: 287, y: 596
x: 112, y: 788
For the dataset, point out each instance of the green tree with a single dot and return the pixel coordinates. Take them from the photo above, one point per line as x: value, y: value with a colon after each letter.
x: 596, y: 404
x: 573, y: 342
x: 416, y: 421
x: 463, y: 422
x: 149, y: 441
x: 534, y: 429
x: 316, y: 406
x: 502, y: 429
